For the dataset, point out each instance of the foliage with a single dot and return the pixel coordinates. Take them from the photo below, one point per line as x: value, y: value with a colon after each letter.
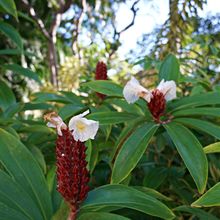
x: 139, y: 169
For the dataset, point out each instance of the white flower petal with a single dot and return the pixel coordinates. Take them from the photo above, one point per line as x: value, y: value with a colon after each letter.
x: 51, y: 125
x: 82, y: 128
x: 55, y: 121
x: 83, y: 114
x: 168, y: 88
x: 133, y: 90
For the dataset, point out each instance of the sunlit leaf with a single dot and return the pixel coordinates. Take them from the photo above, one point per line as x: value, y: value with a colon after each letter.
x: 210, y: 198
x: 212, y: 148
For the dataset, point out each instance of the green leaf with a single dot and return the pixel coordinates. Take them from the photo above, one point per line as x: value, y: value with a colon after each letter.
x: 10, y: 7
x: 10, y: 32
x: 13, y: 195
x: 191, y: 152
x: 131, y: 151
x: 39, y: 157
x: 198, y: 111
x: 69, y: 110
x: 212, y: 148
x: 112, y: 117
x: 7, y: 97
x: 22, y: 71
x: 72, y: 98
x: 52, y: 185
x: 124, y: 196
x: 105, y: 87
x: 125, y: 106
x: 8, y: 213
x: 13, y: 109
x: 209, y: 98
x: 153, y: 193
x: 34, y: 106
x: 210, y: 198
x: 35, y: 128
x: 101, y: 216
x: 170, y: 68
x: 10, y: 52
x: 21, y: 165
x: 155, y: 177
x: 198, y: 124
x: 201, y: 214
x: 49, y: 97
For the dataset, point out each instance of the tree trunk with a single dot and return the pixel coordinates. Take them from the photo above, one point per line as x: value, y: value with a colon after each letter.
x: 53, y: 63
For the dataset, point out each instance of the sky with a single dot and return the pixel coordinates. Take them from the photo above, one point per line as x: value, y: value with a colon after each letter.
x: 150, y: 14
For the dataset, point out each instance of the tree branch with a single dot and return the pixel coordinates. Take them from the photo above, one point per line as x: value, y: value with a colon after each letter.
x: 134, y: 10
x: 34, y: 15
x: 78, y: 23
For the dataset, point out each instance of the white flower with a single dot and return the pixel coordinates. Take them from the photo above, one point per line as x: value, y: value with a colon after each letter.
x: 55, y: 121
x: 168, y: 88
x: 133, y: 90
x: 82, y: 128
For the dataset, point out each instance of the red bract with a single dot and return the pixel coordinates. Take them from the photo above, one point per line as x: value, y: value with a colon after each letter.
x: 157, y: 105
x: 101, y: 74
x: 72, y: 174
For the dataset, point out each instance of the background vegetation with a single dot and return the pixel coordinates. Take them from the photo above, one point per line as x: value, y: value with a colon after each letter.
x: 139, y: 169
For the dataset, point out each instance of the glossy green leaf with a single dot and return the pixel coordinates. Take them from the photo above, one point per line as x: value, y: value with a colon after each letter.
x: 13, y: 195
x: 131, y: 151
x: 69, y: 110
x: 10, y: 52
x: 105, y: 87
x: 134, y: 108
x: 201, y: 214
x: 101, y: 216
x: 35, y: 106
x: 209, y: 98
x: 112, y: 117
x: 7, y: 212
x: 200, y: 125
x: 49, y: 97
x: 25, y: 171
x: 35, y: 128
x: 198, y: 111
x: 11, y: 33
x: 13, y: 109
x: 155, y: 177
x: 125, y: 133
x: 152, y: 192
x: 10, y: 7
x: 39, y: 157
x: 191, y: 152
x: 73, y: 98
x: 7, y: 97
x: 22, y: 71
x: 210, y: 198
x: 52, y: 185
x: 212, y: 148
x: 170, y: 68
x: 124, y: 196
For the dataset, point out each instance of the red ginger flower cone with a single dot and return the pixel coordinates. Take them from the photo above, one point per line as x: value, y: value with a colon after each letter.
x: 72, y: 174
x: 101, y: 74
x: 157, y: 105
